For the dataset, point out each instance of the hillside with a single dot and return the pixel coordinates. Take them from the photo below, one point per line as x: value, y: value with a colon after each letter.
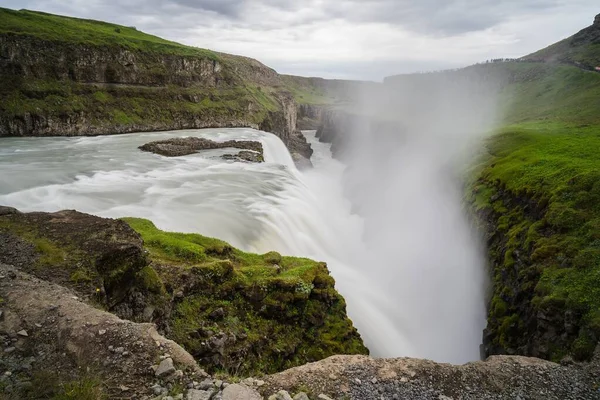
x: 68, y: 76
x: 581, y: 49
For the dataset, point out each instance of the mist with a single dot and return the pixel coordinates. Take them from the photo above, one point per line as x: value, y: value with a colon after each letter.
x: 406, y: 158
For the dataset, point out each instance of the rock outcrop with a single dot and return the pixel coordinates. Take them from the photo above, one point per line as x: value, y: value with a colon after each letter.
x: 233, y: 311
x: 184, y: 146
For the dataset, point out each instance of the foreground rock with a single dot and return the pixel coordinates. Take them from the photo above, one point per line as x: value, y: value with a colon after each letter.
x: 70, y: 342
x: 240, y: 313
x: 501, y: 377
x: 177, y: 147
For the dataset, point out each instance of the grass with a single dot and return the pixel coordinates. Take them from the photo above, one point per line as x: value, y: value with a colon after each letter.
x: 306, y: 92
x: 540, y: 183
x: 57, y: 28
x: 285, y: 309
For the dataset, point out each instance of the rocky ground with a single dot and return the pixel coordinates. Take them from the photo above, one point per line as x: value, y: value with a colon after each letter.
x: 500, y: 377
x: 57, y: 341
x: 253, y: 151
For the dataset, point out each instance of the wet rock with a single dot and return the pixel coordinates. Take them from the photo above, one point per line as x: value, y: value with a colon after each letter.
x: 177, y: 147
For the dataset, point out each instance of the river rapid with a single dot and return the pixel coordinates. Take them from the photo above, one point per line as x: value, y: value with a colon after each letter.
x: 256, y: 207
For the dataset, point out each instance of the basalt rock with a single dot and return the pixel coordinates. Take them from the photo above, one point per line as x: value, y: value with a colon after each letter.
x: 177, y: 147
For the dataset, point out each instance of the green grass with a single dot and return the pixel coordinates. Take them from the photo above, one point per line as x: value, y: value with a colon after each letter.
x: 305, y: 92
x: 285, y: 309
x: 540, y: 183
x: 57, y: 28
x: 542, y: 92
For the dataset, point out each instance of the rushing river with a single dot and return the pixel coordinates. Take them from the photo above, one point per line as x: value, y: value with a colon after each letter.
x: 256, y: 207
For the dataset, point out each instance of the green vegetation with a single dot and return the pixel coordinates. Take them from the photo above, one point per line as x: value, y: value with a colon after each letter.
x: 241, y: 313
x: 53, y: 385
x: 305, y: 91
x: 582, y: 49
x: 57, y: 28
x: 538, y: 187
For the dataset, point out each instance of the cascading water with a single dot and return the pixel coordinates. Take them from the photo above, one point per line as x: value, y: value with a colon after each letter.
x: 257, y: 207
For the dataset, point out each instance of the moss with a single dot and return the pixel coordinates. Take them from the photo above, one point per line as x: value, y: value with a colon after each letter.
x: 268, y: 312
x: 537, y: 189
x: 148, y: 280
x: 583, y: 347
x: 50, y: 253
x: 81, y: 276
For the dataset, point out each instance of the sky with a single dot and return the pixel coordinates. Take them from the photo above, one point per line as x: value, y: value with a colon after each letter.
x: 346, y: 39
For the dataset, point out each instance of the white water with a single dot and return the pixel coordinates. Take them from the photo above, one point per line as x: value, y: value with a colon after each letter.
x: 257, y: 207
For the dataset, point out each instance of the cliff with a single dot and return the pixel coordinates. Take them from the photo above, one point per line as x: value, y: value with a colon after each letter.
x: 67, y: 76
x: 532, y: 193
x: 235, y: 312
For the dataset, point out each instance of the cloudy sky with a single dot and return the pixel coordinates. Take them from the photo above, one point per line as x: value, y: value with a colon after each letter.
x: 360, y: 39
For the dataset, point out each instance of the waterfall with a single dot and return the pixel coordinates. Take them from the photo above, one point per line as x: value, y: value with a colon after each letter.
x: 256, y: 207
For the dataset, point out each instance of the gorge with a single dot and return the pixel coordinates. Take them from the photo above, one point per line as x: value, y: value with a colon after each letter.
x: 455, y: 213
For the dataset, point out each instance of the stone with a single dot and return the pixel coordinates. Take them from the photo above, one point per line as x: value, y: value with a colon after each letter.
x: 23, y: 333
x: 281, y: 395
x: 324, y: 397
x: 165, y: 367
x: 240, y: 392
x: 9, y: 349
x: 218, y: 383
x: 194, y: 394
x: 301, y: 396
x: 102, y: 332
x: 205, y: 384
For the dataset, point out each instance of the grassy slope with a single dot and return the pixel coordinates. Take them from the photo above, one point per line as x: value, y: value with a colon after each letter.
x: 56, y: 28
x: 237, y: 96
x: 539, y: 185
x: 285, y: 308
x: 582, y: 49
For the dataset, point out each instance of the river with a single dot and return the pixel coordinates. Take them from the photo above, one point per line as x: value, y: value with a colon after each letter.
x: 256, y: 207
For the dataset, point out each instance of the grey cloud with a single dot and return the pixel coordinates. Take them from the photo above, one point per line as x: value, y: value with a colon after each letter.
x: 437, y: 17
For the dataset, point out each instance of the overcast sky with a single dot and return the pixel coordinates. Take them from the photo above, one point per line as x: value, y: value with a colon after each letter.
x: 359, y: 39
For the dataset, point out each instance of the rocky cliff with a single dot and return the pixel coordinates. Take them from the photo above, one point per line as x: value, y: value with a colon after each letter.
x: 233, y: 311
x: 86, y: 303
x: 65, y: 76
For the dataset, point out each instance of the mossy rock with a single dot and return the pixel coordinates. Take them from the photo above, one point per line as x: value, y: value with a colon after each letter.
x: 97, y: 257
x: 246, y: 314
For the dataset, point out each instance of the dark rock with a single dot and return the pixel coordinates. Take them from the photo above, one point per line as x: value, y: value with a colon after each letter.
x: 217, y: 314
x: 244, y: 156
x: 8, y: 210
x: 184, y: 146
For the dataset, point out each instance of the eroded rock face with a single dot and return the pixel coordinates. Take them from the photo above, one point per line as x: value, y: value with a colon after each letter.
x: 184, y: 146
x: 236, y: 312
x: 99, y: 257
x: 119, y: 90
